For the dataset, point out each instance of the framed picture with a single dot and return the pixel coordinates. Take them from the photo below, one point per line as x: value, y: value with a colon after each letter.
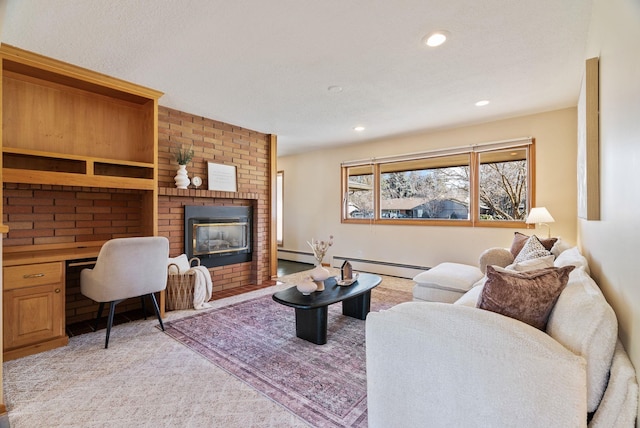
x: 588, y: 144
x: 222, y: 177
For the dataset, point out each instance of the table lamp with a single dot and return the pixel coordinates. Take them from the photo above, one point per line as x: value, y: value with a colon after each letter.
x: 541, y: 216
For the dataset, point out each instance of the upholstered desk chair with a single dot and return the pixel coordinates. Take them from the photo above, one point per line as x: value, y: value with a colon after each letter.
x: 125, y: 268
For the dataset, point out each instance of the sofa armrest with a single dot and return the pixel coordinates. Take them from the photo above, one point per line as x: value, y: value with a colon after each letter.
x: 434, y: 364
x: 619, y: 404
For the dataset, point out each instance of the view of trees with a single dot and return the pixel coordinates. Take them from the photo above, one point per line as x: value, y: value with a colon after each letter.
x: 503, y: 190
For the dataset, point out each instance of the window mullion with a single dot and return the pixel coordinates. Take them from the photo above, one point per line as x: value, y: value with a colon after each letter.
x: 474, y: 189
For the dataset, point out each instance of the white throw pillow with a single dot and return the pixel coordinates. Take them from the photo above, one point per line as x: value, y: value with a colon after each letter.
x: 560, y: 246
x: 573, y: 257
x: 532, y: 264
x: 532, y: 249
x: 181, y: 261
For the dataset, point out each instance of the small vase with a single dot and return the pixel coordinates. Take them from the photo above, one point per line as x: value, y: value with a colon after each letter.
x: 307, y: 286
x: 181, y: 178
x: 319, y: 274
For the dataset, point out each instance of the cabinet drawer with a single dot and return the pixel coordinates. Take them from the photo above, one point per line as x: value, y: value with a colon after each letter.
x: 30, y: 275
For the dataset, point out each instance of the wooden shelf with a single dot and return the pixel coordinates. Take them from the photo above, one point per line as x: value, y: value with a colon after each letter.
x: 36, y: 167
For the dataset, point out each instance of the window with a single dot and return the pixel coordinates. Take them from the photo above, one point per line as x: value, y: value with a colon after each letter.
x: 359, y: 192
x: 488, y: 185
x: 503, y: 185
x: 435, y: 188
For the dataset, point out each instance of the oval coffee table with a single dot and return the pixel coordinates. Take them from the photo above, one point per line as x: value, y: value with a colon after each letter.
x: 312, y: 310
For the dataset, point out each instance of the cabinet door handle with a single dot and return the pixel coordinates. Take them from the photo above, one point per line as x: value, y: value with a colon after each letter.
x: 33, y: 275
x: 57, y: 290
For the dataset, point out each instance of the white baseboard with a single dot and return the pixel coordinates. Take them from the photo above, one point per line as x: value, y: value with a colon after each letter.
x: 382, y: 268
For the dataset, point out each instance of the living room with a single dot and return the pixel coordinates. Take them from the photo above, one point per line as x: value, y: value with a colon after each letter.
x: 608, y: 243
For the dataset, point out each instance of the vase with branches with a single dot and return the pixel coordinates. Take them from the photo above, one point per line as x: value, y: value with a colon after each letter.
x: 183, y: 157
x: 320, y: 248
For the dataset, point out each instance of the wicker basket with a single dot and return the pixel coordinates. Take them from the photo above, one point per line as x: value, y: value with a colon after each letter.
x: 180, y: 288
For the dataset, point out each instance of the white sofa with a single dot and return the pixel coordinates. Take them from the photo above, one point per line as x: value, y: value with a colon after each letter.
x: 432, y: 364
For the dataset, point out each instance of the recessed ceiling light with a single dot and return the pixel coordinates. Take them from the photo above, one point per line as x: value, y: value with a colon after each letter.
x: 359, y: 128
x: 482, y: 103
x: 436, y: 38
x: 334, y: 88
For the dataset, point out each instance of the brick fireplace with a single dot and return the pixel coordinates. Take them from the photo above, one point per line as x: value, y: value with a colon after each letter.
x: 222, y: 143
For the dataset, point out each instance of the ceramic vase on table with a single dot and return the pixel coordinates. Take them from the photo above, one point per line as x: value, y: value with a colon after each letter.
x: 307, y: 286
x: 319, y: 274
x: 181, y: 178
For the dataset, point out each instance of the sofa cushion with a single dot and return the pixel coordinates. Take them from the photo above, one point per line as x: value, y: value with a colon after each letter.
x: 532, y: 264
x: 560, y: 246
x: 470, y: 298
x: 584, y: 323
x: 519, y: 240
x: 445, y: 282
x: 526, y: 296
x: 532, y: 249
x: 572, y: 256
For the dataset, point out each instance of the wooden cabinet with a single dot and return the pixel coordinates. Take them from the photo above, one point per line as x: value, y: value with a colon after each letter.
x: 69, y: 126
x: 33, y: 309
x: 64, y: 125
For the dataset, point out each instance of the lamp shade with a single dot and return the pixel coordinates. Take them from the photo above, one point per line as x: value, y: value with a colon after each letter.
x: 539, y: 215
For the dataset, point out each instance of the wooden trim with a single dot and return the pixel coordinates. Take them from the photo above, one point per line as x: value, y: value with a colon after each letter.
x: 44, y: 247
x: 35, y: 348
x: 474, y: 188
x: 42, y: 66
x: 279, y: 173
x: 531, y: 175
x: 273, y: 212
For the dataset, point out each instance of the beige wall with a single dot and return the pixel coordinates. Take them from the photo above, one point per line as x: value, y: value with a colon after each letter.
x: 611, y: 244
x: 312, y: 194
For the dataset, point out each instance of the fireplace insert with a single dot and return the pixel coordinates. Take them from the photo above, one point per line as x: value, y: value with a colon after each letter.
x: 218, y: 235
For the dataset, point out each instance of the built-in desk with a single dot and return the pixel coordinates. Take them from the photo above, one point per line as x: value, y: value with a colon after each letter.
x: 34, y: 282
x: 15, y: 256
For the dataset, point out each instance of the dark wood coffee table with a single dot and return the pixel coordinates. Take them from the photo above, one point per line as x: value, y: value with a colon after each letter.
x: 312, y: 310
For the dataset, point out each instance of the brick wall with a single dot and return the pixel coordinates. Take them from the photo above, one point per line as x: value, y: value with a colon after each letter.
x: 39, y: 214
x: 222, y: 143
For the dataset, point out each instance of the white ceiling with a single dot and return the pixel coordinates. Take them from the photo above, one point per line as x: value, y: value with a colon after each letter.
x: 267, y: 65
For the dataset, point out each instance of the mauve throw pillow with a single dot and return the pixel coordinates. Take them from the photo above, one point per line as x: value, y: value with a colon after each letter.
x: 526, y: 296
x: 519, y: 240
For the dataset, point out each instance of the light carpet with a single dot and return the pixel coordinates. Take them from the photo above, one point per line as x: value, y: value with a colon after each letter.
x: 144, y: 379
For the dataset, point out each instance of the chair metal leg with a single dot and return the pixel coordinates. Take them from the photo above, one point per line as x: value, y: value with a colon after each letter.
x: 157, y: 309
x: 112, y: 311
x: 100, y: 308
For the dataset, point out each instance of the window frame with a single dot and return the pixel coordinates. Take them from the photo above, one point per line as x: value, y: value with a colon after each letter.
x: 475, y: 151
x: 279, y: 208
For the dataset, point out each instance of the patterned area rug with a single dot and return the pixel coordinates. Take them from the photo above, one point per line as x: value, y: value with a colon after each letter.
x: 255, y: 341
